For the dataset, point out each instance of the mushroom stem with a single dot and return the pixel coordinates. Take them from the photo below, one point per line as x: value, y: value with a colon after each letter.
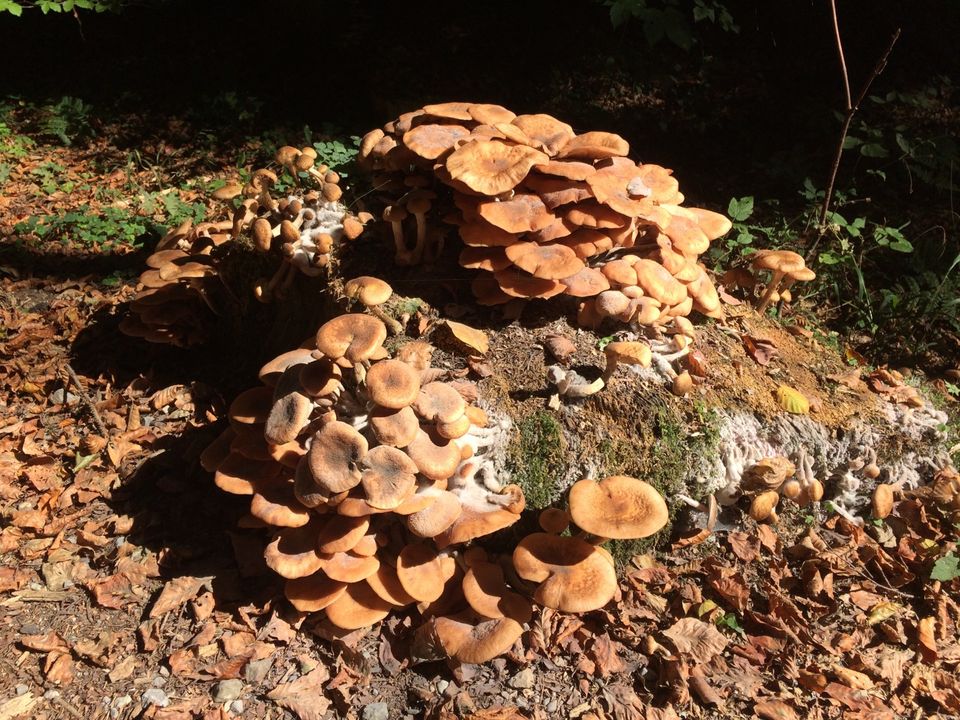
x: 771, y: 289
x: 393, y: 326
x: 421, y: 245
x: 403, y: 255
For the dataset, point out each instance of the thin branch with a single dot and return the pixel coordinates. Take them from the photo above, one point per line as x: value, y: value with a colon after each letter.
x: 88, y: 402
x: 851, y: 110
x: 843, y: 62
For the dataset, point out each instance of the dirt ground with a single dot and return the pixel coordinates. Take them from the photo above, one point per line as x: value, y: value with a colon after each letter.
x: 128, y: 590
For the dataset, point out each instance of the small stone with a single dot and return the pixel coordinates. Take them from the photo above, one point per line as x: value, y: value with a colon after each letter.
x: 159, y: 681
x: 451, y: 690
x: 227, y: 690
x: 164, y: 671
x: 62, y: 397
x: 522, y: 680
x: 376, y: 711
x: 552, y: 707
x: 156, y: 696
x: 51, y: 694
x: 442, y: 685
x: 30, y: 629
x: 22, y: 689
x: 122, y: 701
x: 256, y: 670
x: 236, y: 707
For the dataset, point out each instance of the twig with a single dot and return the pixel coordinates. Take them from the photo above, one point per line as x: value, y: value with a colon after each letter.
x: 68, y: 707
x: 849, y: 111
x: 88, y: 402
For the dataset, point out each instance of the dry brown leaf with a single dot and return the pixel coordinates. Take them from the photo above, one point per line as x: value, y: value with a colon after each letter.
x: 623, y: 702
x: 58, y: 668
x: 852, y: 678
x: 48, y: 642
x: 177, y: 592
x: 606, y: 654
x: 762, y: 351
x: 471, y: 337
x: 744, y: 546
x: 926, y: 637
x: 304, y: 697
x: 697, y: 639
x: 496, y: 713
x: 775, y: 710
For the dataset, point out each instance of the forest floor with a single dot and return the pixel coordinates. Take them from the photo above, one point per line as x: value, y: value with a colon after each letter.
x: 127, y: 591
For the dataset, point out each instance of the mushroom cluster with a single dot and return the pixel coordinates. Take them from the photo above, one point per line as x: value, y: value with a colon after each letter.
x: 303, y: 228
x: 370, y: 469
x: 785, y: 267
x: 772, y: 477
x: 542, y: 211
x: 180, y: 293
x: 573, y: 573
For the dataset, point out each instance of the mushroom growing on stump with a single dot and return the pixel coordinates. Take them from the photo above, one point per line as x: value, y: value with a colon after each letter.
x: 357, y: 491
x: 372, y: 293
x: 618, y: 507
x: 544, y: 210
x: 781, y: 264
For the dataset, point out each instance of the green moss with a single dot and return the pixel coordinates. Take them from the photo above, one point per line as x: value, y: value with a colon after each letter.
x: 663, y: 459
x: 536, y: 458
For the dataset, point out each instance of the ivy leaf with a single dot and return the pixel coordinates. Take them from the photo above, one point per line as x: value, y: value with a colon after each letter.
x: 946, y: 568
x: 874, y: 150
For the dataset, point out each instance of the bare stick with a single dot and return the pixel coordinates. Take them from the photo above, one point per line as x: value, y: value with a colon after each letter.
x: 88, y: 402
x: 850, y: 111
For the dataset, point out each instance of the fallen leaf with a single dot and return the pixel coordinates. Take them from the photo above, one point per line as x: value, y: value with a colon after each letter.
x: 926, y: 636
x: 744, y: 546
x: 177, y: 592
x: 762, y: 351
x: 48, y: 642
x: 792, y: 400
x: 303, y: 697
x: 58, y: 668
x: 473, y: 338
x: 697, y: 639
x: 775, y: 710
x: 605, y: 653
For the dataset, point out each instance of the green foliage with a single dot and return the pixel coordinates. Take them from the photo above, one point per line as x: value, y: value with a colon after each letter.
x: 174, y: 208
x: 670, y: 20
x: 109, y: 228
x: 67, y: 120
x: 16, y: 7
x: 946, y: 568
x: 335, y: 154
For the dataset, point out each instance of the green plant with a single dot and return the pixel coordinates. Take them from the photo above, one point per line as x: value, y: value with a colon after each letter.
x: 68, y: 119
x: 48, y: 177
x: 108, y: 228
x: 16, y: 7
x: 670, y: 20
x: 174, y: 207
x: 946, y: 568
x: 335, y: 154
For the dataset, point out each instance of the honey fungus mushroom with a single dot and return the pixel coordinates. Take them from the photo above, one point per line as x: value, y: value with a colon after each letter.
x: 781, y: 264
x: 371, y: 481
x: 617, y: 507
x: 542, y: 211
